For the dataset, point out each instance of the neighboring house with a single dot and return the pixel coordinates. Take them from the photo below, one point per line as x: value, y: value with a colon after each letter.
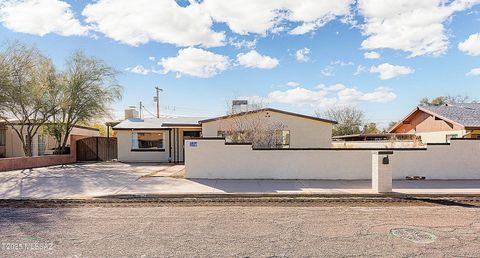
x: 438, y: 124
x: 155, y: 139
x: 292, y: 130
x: 42, y: 143
x: 377, y: 140
x: 162, y: 139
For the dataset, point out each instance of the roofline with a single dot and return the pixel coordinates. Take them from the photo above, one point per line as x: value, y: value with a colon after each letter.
x: 419, y: 108
x: 164, y: 126
x: 86, y: 127
x: 271, y: 110
x: 181, y: 125
x: 143, y: 129
x: 439, y: 116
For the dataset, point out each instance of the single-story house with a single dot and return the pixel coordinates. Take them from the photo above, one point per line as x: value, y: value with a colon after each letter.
x: 162, y: 139
x: 293, y: 130
x: 42, y: 143
x: 155, y: 139
x: 439, y: 124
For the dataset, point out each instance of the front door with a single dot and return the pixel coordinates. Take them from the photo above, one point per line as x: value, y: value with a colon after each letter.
x: 189, y: 135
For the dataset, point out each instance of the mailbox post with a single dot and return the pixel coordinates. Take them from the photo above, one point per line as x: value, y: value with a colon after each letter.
x: 381, y: 171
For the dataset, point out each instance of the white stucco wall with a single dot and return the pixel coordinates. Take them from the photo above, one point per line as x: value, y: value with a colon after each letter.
x: 304, y: 132
x: 125, y: 153
x: 214, y: 159
x: 439, y: 137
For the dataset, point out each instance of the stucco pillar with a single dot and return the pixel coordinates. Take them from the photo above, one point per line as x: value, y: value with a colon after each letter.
x: 381, y: 172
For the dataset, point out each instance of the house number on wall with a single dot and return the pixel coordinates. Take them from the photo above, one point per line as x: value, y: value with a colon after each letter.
x: 193, y: 144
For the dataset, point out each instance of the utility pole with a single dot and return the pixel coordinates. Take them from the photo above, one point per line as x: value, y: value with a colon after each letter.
x: 157, y: 99
x: 140, y: 109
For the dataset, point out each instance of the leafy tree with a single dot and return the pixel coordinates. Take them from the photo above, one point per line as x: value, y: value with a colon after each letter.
x: 350, y: 119
x: 370, y: 128
x: 438, y: 101
x: 28, y: 91
x: 101, y: 127
x: 87, y: 87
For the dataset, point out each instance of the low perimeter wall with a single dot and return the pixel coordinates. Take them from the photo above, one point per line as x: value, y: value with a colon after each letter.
x: 7, y: 164
x: 212, y: 158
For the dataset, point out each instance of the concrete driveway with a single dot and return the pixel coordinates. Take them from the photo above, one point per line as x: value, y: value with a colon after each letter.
x: 75, y: 180
x: 102, y: 179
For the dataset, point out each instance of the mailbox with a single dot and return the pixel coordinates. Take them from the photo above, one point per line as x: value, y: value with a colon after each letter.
x: 386, y: 160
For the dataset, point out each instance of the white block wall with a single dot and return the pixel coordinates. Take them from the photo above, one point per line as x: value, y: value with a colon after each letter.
x: 213, y: 159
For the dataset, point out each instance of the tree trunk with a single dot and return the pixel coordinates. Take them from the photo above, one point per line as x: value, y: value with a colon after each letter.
x: 27, y: 148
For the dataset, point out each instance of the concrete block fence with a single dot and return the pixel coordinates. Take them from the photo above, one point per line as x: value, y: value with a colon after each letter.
x: 214, y: 159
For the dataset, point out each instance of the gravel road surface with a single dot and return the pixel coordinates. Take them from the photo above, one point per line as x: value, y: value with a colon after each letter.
x: 218, y: 231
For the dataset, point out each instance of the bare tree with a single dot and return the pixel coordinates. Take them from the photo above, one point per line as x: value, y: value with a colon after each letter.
x: 449, y: 99
x: 87, y: 87
x: 27, y: 91
x: 350, y: 119
x: 253, y: 128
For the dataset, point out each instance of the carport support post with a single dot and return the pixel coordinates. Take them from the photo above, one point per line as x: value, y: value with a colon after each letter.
x: 381, y: 172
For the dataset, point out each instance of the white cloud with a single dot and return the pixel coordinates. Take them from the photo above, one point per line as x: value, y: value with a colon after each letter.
x: 324, y: 96
x: 138, y: 22
x: 371, y: 55
x: 195, y: 62
x: 250, y: 44
x: 253, y: 59
x: 474, y: 72
x: 360, y: 69
x: 413, y: 26
x: 151, y: 58
x: 328, y: 71
x: 268, y: 16
x: 303, y: 55
x: 292, y: 84
x: 40, y: 17
x: 341, y: 63
x: 388, y: 71
x: 471, y: 45
x: 139, y: 69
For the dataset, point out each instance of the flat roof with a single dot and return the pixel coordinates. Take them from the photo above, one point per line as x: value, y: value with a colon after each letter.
x: 158, y: 123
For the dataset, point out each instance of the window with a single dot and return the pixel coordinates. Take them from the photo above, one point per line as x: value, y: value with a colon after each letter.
x: 42, y: 144
x: 147, y: 141
x: 191, y: 134
x: 282, y: 138
x: 450, y: 136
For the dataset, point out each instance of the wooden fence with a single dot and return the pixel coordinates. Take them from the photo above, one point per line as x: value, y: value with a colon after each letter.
x: 97, y: 149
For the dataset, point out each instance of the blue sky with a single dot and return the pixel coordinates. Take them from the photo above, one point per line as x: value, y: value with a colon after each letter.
x: 303, y: 56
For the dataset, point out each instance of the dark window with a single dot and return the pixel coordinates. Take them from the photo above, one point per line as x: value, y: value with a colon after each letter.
x: 147, y: 141
x: 191, y: 134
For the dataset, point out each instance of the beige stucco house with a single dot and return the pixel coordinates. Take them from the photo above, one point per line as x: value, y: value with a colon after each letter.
x: 42, y: 143
x: 155, y: 139
x: 439, y: 124
x: 162, y: 139
x: 292, y: 130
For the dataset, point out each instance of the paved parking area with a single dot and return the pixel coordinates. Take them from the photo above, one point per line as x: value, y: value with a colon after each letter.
x: 102, y: 179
